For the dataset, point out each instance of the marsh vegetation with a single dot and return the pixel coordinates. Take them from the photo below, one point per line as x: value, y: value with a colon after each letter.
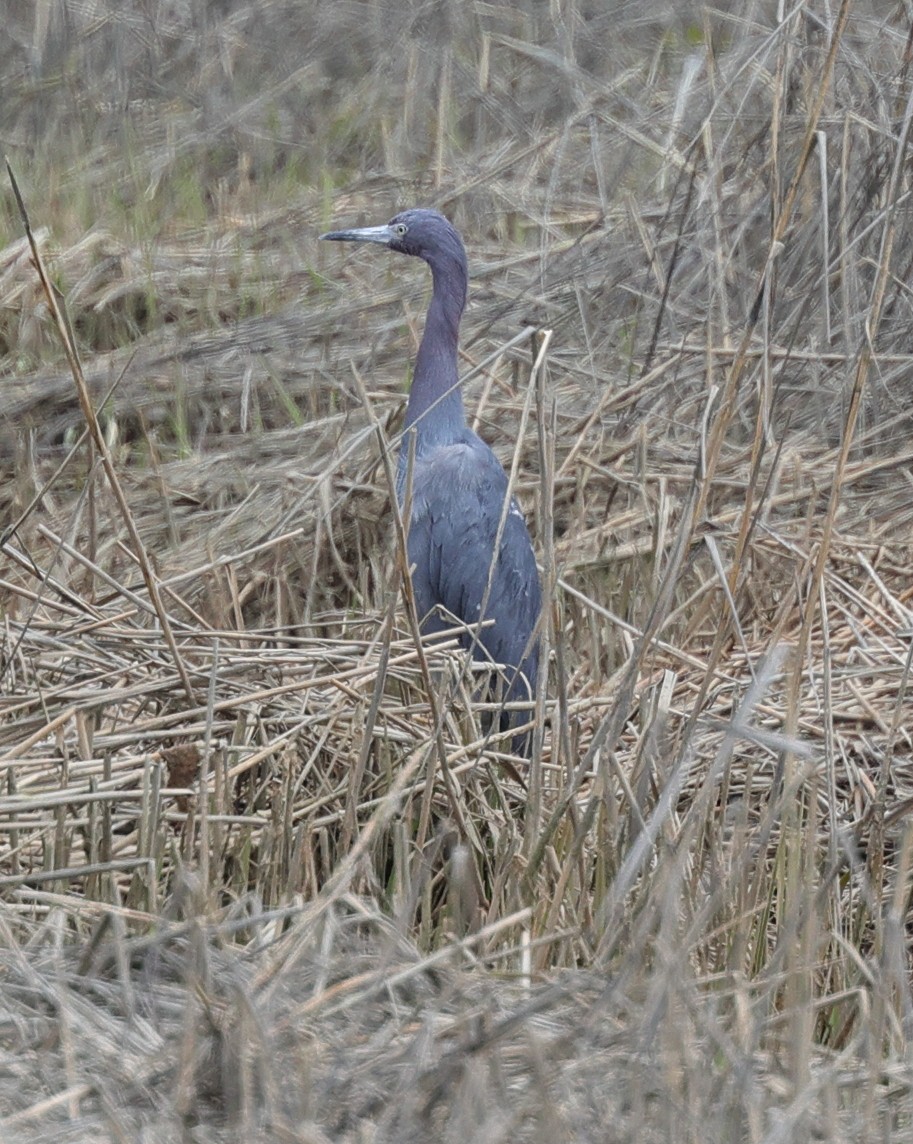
x: 249, y: 888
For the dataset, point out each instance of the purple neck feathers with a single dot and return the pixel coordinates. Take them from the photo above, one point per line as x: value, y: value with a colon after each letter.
x: 435, y: 407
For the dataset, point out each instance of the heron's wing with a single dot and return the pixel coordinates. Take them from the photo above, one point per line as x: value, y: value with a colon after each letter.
x: 458, y: 499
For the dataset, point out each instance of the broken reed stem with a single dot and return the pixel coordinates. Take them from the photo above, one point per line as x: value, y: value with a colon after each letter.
x: 98, y: 438
x: 728, y: 399
x: 405, y: 582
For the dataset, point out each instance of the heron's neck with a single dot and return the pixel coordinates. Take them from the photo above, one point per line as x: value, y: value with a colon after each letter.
x: 435, y: 408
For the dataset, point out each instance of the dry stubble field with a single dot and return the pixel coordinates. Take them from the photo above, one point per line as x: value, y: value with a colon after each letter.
x: 249, y: 889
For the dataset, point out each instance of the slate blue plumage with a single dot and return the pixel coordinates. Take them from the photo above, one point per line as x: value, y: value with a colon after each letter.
x: 458, y: 484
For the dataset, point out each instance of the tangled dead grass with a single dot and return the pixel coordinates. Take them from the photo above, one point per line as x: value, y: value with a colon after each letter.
x: 263, y: 875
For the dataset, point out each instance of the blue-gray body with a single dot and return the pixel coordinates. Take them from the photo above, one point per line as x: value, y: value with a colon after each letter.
x: 458, y: 486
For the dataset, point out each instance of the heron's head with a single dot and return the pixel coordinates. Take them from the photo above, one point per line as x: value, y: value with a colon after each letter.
x: 423, y: 233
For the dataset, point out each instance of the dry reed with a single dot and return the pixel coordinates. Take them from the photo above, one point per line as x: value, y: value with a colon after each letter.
x: 250, y: 887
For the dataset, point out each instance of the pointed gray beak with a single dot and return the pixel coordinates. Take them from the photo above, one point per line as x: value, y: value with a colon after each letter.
x: 381, y: 234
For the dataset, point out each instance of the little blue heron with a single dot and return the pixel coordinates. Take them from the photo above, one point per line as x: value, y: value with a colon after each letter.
x: 459, y: 488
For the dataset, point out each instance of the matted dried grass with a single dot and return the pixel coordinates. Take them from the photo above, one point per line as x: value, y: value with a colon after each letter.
x: 263, y: 874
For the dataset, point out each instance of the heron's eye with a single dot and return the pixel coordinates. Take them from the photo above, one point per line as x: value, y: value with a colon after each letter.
x: 401, y: 229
